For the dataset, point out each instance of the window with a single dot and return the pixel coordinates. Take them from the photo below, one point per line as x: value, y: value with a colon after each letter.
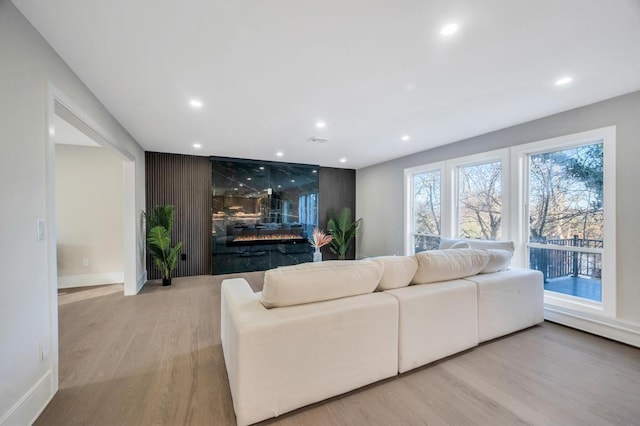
x: 568, y: 218
x: 426, y: 215
x: 555, y: 199
x: 308, y: 211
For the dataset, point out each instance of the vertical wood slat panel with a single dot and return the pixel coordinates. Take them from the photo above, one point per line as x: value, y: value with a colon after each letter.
x: 185, y: 182
x: 337, y: 190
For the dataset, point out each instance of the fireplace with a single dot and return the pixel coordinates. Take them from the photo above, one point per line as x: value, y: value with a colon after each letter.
x: 262, y: 214
x: 260, y: 234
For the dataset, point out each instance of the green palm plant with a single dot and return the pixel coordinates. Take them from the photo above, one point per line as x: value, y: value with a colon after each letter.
x: 160, y: 216
x: 159, y: 224
x: 343, y: 229
x: 164, y: 256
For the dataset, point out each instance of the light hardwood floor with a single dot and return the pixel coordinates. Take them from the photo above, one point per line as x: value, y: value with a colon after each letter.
x: 156, y: 359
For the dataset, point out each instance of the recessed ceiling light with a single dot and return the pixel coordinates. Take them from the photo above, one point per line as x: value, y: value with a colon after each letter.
x: 449, y: 29
x: 321, y: 124
x: 241, y: 184
x: 314, y: 171
x: 195, y: 103
x: 235, y: 189
x: 293, y: 180
x: 563, y: 81
x: 405, y: 138
x: 343, y: 160
x: 197, y: 145
x: 279, y: 153
x: 279, y: 186
x: 248, y: 178
x: 261, y: 167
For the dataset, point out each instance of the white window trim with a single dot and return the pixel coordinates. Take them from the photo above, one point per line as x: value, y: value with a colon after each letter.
x: 519, y: 180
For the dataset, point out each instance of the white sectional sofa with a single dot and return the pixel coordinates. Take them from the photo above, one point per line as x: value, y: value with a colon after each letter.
x: 322, y: 329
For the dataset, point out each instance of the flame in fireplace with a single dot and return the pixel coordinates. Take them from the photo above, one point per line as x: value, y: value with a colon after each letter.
x: 267, y: 237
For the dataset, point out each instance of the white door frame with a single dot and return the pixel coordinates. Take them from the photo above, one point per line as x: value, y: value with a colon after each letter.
x: 55, y: 96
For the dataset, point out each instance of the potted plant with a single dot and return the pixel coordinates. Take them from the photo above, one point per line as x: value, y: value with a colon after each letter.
x: 343, y: 229
x: 319, y: 239
x: 159, y: 223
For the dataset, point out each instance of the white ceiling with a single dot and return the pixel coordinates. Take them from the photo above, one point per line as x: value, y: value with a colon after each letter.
x: 373, y: 70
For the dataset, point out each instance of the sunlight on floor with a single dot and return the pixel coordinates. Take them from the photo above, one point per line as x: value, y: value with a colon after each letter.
x: 71, y: 295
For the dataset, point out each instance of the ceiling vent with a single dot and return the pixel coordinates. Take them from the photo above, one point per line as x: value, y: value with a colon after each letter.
x: 315, y: 139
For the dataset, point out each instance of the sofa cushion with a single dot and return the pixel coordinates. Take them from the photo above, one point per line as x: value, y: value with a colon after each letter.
x: 397, y: 271
x: 442, y: 265
x: 317, y: 281
x: 499, y: 260
x: 508, y: 301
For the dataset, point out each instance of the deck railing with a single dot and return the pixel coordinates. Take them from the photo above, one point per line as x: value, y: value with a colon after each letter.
x: 561, y: 263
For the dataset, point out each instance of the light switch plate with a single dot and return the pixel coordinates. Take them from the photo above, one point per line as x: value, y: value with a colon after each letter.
x: 41, y: 228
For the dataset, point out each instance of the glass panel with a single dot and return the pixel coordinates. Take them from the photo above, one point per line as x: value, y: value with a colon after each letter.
x: 425, y: 242
x: 566, y: 208
x: 426, y: 210
x: 263, y: 214
x: 426, y: 203
x: 565, y: 195
x: 573, y: 273
x: 480, y: 200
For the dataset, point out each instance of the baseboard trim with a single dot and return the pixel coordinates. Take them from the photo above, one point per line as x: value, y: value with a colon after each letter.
x: 30, y: 405
x: 87, y: 280
x: 613, y: 329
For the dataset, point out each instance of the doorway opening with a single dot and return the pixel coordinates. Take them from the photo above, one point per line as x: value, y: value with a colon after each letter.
x: 87, y: 141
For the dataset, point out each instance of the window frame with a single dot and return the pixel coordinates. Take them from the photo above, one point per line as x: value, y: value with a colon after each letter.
x: 520, y: 180
x: 452, y: 169
x: 515, y: 207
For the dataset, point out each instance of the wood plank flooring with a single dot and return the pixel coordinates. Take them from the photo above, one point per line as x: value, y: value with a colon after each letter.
x: 156, y: 359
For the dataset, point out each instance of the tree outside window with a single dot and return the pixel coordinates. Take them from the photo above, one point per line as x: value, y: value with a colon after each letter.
x: 480, y: 200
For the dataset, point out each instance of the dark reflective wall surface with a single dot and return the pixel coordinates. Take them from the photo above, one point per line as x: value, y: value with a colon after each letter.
x: 262, y: 215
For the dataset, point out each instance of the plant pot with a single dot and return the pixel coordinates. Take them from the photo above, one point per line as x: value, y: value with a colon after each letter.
x: 166, y: 281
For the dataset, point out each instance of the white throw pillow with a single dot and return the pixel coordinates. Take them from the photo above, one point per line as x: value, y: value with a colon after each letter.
x: 397, y: 271
x: 318, y: 281
x: 460, y: 245
x: 447, y: 243
x: 443, y: 265
x: 489, y: 244
x: 499, y: 260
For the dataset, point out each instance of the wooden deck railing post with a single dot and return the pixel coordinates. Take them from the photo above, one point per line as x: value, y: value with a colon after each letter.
x: 575, y: 257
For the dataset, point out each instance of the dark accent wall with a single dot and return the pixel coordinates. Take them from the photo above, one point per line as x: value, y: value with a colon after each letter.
x: 337, y: 190
x: 185, y: 182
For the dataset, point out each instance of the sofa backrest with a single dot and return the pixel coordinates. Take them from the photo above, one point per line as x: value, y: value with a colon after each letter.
x: 318, y: 281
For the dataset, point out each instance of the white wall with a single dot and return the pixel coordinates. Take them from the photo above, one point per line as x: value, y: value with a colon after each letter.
x: 88, y: 216
x: 27, y: 298
x: 379, y: 188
